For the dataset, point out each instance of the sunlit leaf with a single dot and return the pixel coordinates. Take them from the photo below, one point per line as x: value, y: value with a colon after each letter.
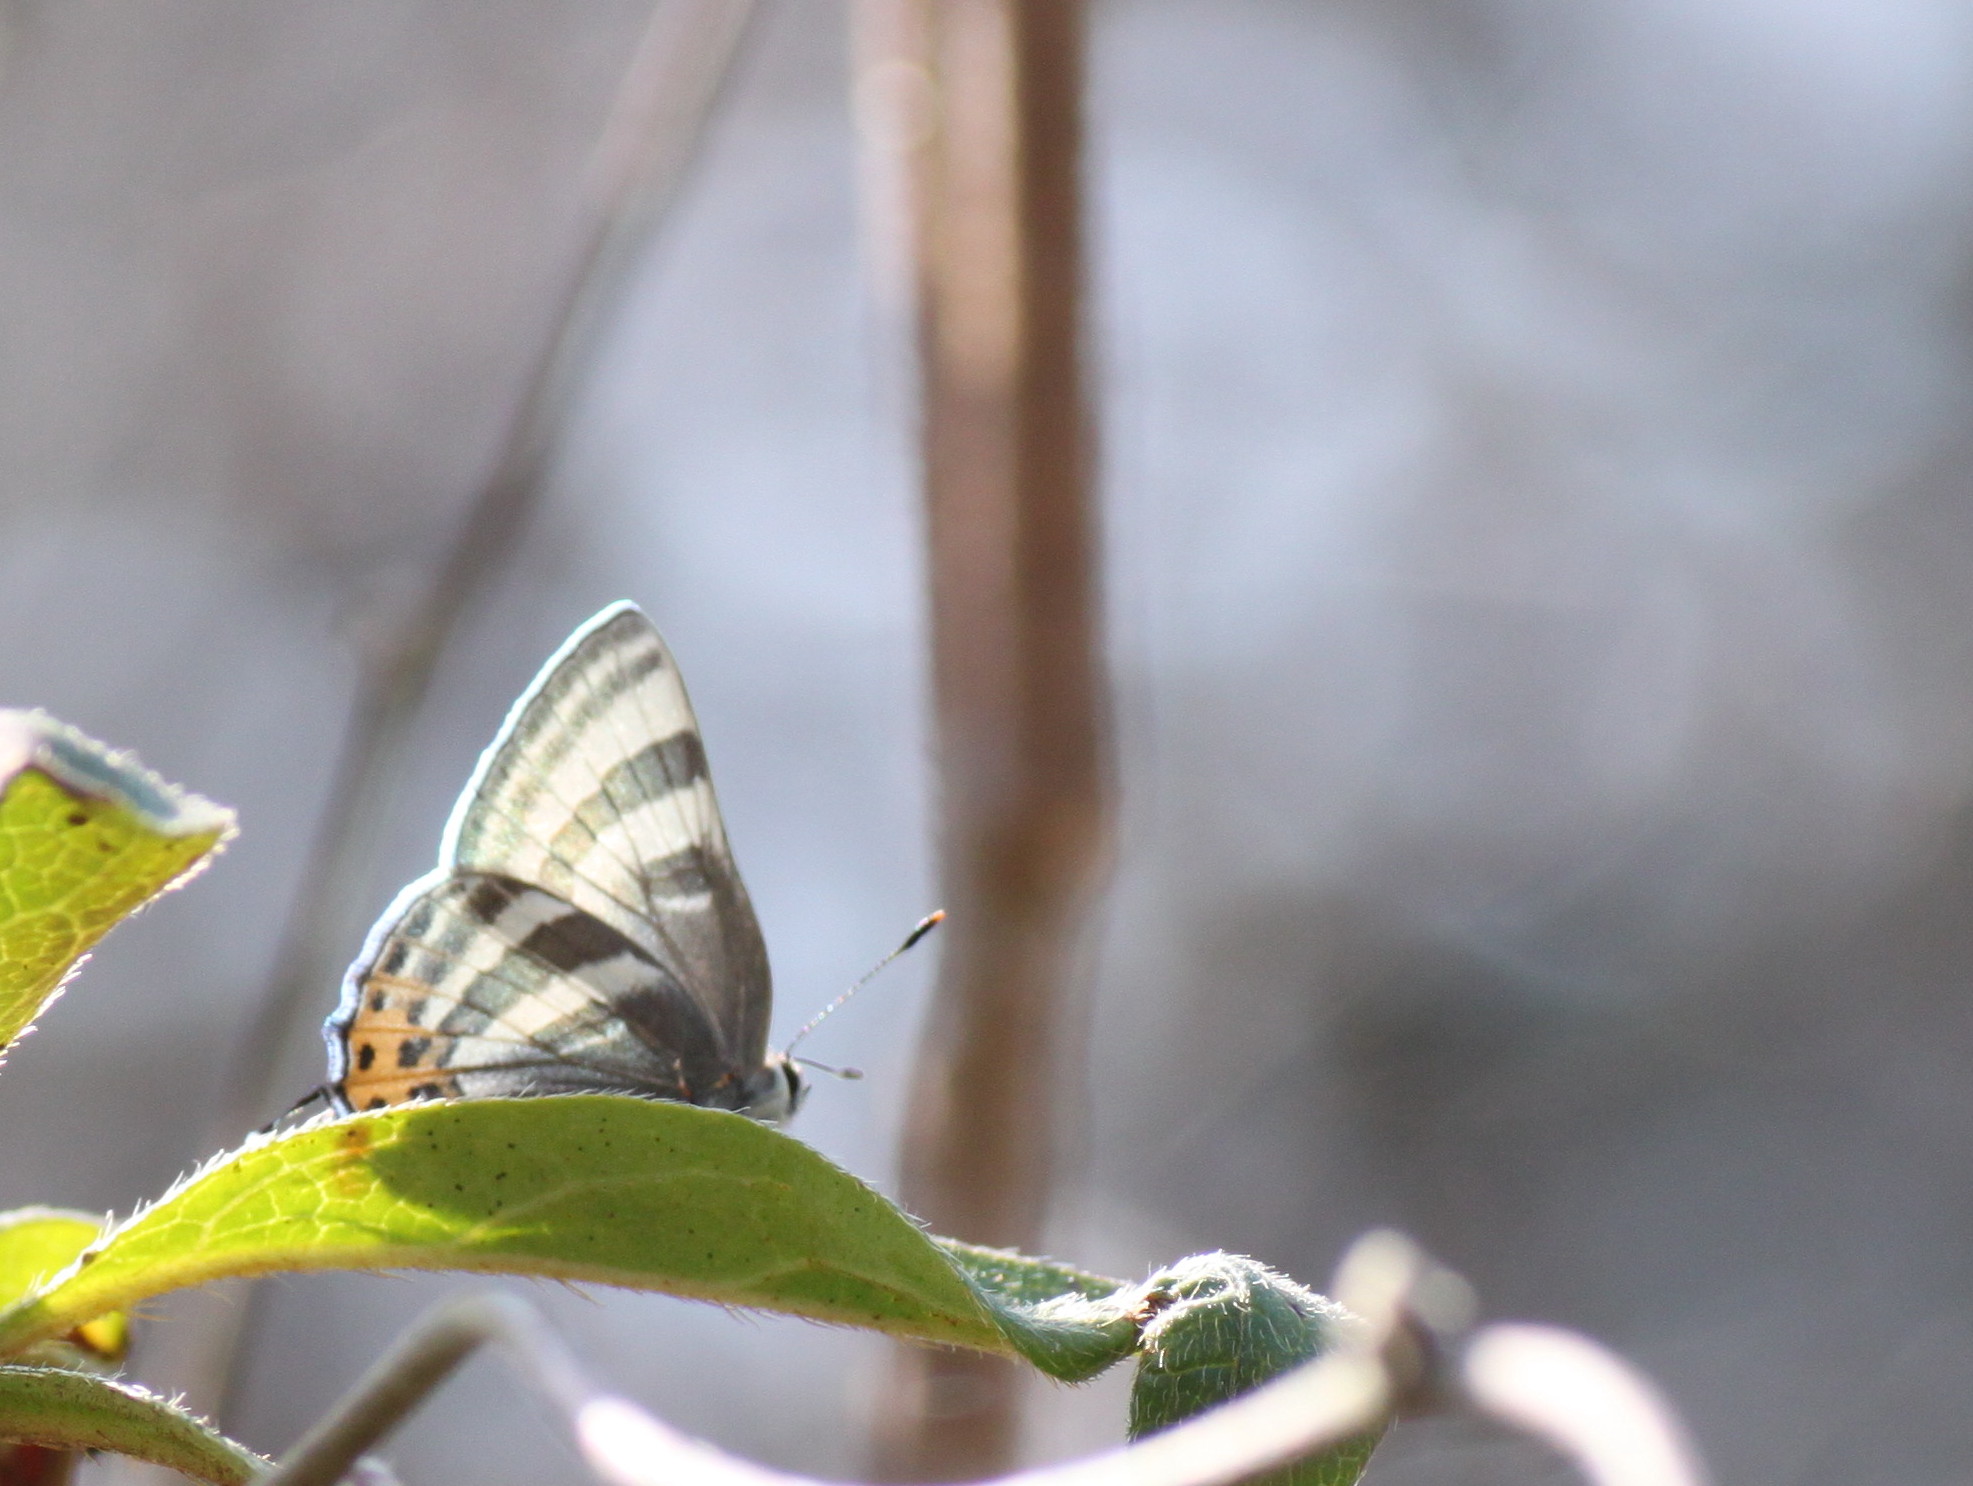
x: 657, y: 1196
x: 38, y: 1243
x: 87, y: 837
x: 694, y: 1202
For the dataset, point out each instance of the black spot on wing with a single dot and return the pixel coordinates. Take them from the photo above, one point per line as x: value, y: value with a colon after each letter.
x: 489, y: 895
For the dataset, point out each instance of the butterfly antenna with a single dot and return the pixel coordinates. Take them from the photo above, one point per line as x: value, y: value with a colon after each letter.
x: 843, y: 1073
x: 924, y: 926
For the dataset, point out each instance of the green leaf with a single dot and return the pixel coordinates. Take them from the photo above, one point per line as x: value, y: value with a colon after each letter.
x: 87, y: 837
x: 1219, y: 1325
x: 694, y: 1202
x: 75, y: 1411
x: 38, y: 1243
x: 657, y: 1196
x: 1069, y: 1323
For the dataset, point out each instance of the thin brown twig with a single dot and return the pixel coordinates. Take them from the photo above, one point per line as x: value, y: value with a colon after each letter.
x: 976, y: 106
x: 630, y: 183
x: 632, y: 179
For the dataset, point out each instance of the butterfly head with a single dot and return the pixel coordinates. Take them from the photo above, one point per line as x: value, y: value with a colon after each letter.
x: 776, y: 1091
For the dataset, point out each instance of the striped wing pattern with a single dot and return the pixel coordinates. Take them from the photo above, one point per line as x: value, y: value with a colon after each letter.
x: 586, y: 928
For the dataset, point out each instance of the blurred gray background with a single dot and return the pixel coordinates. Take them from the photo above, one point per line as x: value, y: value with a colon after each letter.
x: 1536, y: 484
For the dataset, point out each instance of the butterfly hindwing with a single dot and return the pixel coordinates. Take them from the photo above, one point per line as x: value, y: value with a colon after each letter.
x: 481, y: 985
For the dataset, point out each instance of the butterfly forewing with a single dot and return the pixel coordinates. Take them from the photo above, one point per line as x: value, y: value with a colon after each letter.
x: 597, y: 790
x: 586, y: 928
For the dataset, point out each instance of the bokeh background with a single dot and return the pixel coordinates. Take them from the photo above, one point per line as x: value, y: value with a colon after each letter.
x: 1535, y: 446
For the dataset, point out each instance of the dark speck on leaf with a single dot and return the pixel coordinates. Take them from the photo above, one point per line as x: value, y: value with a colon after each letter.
x: 77, y: 818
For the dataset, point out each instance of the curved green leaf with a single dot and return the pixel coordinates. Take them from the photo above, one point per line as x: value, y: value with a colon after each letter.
x: 87, y: 837
x: 38, y: 1243
x: 671, y: 1197
x: 694, y: 1202
x: 1068, y: 1322
x: 75, y: 1411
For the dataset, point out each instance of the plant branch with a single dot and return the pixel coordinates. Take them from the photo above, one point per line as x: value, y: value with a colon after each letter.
x: 981, y: 145
x: 1584, y: 1401
x: 632, y: 179
x: 423, y: 1359
x: 1409, y: 1357
x: 1314, y: 1406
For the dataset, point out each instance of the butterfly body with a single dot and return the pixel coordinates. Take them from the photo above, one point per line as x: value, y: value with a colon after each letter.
x: 586, y: 929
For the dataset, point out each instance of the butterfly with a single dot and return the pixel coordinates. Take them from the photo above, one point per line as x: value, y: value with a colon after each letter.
x: 586, y: 929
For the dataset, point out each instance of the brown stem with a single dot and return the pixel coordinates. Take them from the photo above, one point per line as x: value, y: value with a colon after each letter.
x: 980, y: 103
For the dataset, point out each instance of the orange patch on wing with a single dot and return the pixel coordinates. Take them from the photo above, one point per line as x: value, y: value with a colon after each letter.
x: 393, y: 1049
